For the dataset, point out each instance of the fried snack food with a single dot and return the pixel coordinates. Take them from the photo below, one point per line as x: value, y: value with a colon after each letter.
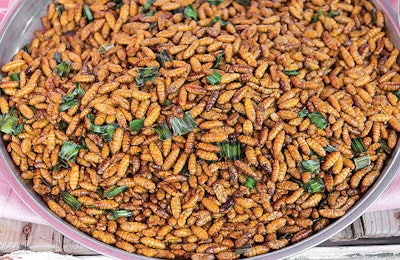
x: 201, y: 129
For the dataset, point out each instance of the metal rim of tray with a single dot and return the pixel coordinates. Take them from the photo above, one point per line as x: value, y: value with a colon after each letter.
x: 37, y: 205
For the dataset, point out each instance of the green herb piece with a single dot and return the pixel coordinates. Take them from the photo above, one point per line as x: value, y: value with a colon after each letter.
x: 71, y: 99
x: 384, y: 147
x: 230, y: 149
x: 397, y: 93
x: 100, y: 191
x: 310, y: 165
x: 122, y: 213
x: 303, y: 113
x: 301, y: 184
x: 163, y: 131
x: 105, y: 47
x: 82, y: 142
x: 61, y: 164
x: 243, y: 2
x: 315, y: 185
x: 214, y: 2
x: 218, y: 60
x: 146, y: 74
x: 8, y: 123
x: 57, y: 57
x: 214, y: 78
x: 71, y: 200
x: 62, y: 125
x: 118, y: 3
x: 60, y: 9
x: 318, y: 120
x: 333, y: 13
x: 19, y: 129
x: 26, y: 49
x: 107, y: 131
x: 189, y: 12
x: 15, y: 77
x: 69, y: 151
x: 136, y: 125
x: 243, y: 250
x: 362, y: 162
x: 373, y: 16
x: 147, y: 5
x: 315, y: 18
x: 181, y: 126
x: 291, y: 72
x: 151, y: 13
x: 63, y: 69
x: 163, y: 57
x: 357, y: 145
x: 167, y: 102
x: 329, y: 148
x: 153, y: 25
x: 185, y: 170
x: 115, y: 191
x: 88, y: 14
x: 215, y: 20
x: 250, y: 182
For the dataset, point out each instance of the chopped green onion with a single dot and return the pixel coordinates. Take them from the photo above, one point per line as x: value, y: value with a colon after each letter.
x: 107, y: 131
x: 62, y: 125
x: 315, y: 18
x: 167, y: 102
x: 100, y: 191
x: 122, y: 213
x: 243, y: 250
x: 105, y: 47
x: 243, y: 2
x: 333, y: 13
x: 163, y: 131
x: 18, y: 129
x: 147, y: 5
x: 8, y: 124
x: 230, y: 149
x: 214, y: 78
x: 68, y: 104
x: 373, y: 16
x: 218, y: 60
x: 71, y: 99
x: 397, y: 93
x: 153, y: 25
x: 63, y: 69
x: 318, y: 120
x: 181, y: 126
x: 82, y: 142
x: 215, y: 20
x: 69, y: 151
x: 115, y: 191
x: 310, y: 165
x: 71, y: 200
x: 189, y: 12
x: 315, y: 185
x: 118, y: 3
x: 146, y: 74
x: 57, y: 57
x: 384, y: 147
x: 88, y: 14
x: 301, y: 184
x: 250, y: 182
x: 185, y: 170
x: 329, y: 148
x: 136, y: 124
x: 362, y: 162
x: 60, y: 9
x: 357, y: 145
x: 303, y: 113
x: 26, y: 49
x: 291, y: 72
x: 151, y: 13
x: 214, y: 2
x: 163, y: 56
x: 15, y: 77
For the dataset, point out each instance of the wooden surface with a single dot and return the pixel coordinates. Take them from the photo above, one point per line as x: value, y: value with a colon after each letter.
x: 373, y: 236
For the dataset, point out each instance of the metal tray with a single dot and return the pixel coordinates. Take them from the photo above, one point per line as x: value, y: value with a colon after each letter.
x: 17, y: 30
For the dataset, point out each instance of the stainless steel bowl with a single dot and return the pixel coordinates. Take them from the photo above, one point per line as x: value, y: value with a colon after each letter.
x: 18, y: 27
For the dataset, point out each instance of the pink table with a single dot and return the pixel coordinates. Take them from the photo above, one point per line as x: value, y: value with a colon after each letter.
x: 11, y: 207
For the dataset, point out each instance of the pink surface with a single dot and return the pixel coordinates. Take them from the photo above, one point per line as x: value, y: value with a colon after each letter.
x: 13, y: 208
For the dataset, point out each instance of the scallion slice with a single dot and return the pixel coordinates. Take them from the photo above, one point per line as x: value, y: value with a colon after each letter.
x: 163, y: 57
x: 291, y: 72
x: 230, y: 149
x: 303, y: 113
x: 218, y: 60
x: 57, y: 57
x: 315, y: 185
x: 316, y: 17
x: 214, y: 78
x: 384, y: 147
x: 136, y: 125
x: 26, y: 49
x: 397, y: 93
x: 189, y: 12
x: 15, y: 77
x: 357, y: 145
x: 88, y: 14
x: 147, y: 5
x: 115, y: 191
x: 310, y: 165
x: 243, y: 2
x: 163, y: 131
x: 181, y: 126
x: 122, y: 213
x: 60, y: 9
x: 100, y: 191
x: 146, y: 74
x: 64, y: 68
x: 362, y: 162
x: 71, y: 99
x: 167, y: 102
x: 71, y: 200
x: 118, y: 3
x: 214, y: 2
x: 373, y: 15
x: 69, y: 151
x: 105, y: 47
x: 215, y: 20
x: 107, y: 131
x: 329, y: 148
x: 318, y: 120
x: 333, y: 13
x: 8, y: 123
x: 250, y: 182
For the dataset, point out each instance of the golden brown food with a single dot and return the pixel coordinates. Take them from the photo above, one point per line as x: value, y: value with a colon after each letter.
x: 194, y: 129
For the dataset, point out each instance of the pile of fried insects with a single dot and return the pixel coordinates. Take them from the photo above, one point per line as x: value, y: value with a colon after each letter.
x: 202, y: 129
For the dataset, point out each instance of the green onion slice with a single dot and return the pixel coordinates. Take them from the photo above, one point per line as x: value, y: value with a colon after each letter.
x: 329, y: 148
x: 71, y: 99
x: 122, y: 213
x: 310, y: 165
x: 163, y: 131
x: 318, y: 120
x: 357, y: 145
x: 118, y: 3
x: 8, y: 123
x: 185, y: 170
x: 214, y: 2
x: 189, y: 12
x: 105, y: 47
x: 218, y: 60
x: 384, y: 147
x: 230, y: 149
x: 64, y: 68
x: 60, y: 9
x: 362, y: 162
x: 243, y: 2
x: 303, y: 113
x: 291, y: 72
x: 57, y: 57
x: 107, y: 131
x: 69, y: 151
x: 147, y: 5
x: 146, y: 74
x: 215, y: 20
x: 26, y: 49
x: 163, y: 57
x: 373, y: 16
x: 315, y: 185
x: 397, y: 93
x: 333, y: 13
x: 15, y: 77
x: 250, y: 182
x: 115, y: 191
x: 136, y: 125
x: 181, y: 126
x: 88, y: 14
x: 167, y: 102
x: 100, y: 191
x: 315, y: 18
x: 214, y: 78
x: 71, y: 200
